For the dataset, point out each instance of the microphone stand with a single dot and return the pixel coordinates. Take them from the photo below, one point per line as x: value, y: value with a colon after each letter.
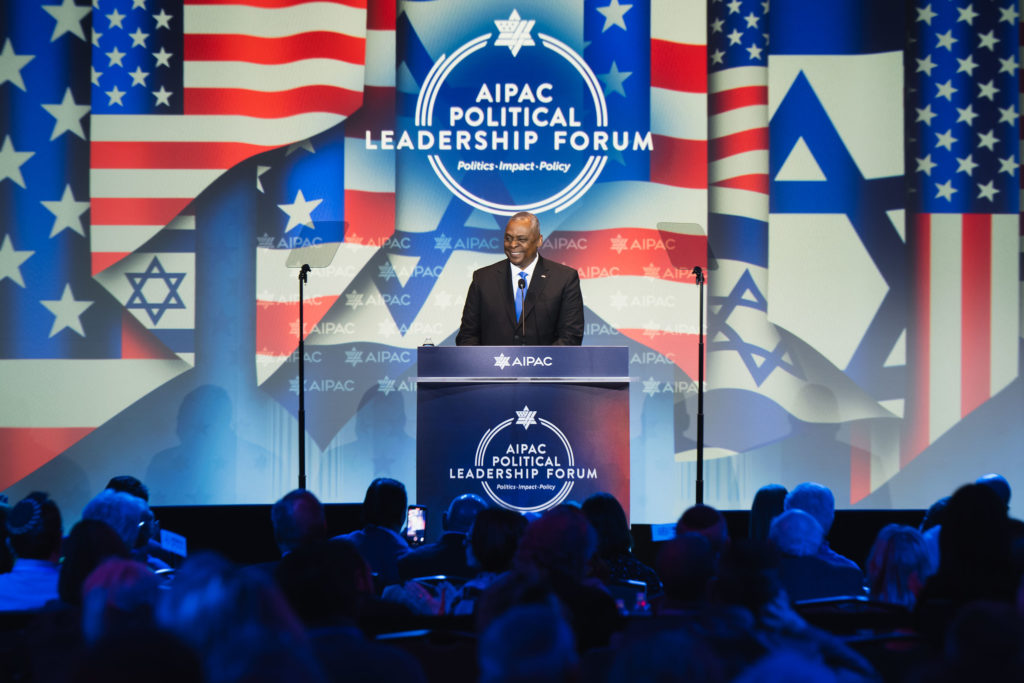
x: 303, y: 273
x: 700, y: 384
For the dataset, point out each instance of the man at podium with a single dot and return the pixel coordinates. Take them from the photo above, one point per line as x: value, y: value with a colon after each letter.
x: 524, y: 299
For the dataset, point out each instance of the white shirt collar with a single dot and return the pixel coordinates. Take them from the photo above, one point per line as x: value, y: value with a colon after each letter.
x: 529, y: 274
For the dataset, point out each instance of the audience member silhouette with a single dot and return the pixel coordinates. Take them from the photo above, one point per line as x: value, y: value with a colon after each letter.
x: 328, y: 584
x: 769, y: 502
x: 119, y: 595
x: 34, y: 533
x: 380, y: 541
x: 448, y: 554
x: 124, y: 513
x: 817, y: 500
x: 709, y: 523
x: 931, y: 525
x: 128, y: 656
x: 554, y: 554
x: 237, y: 621
x: 528, y: 644
x: 974, y: 559
x: 298, y: 518
x: 685, y: 564
x: 87, y: 546
x: 898, y: 565
x: 804, y: 574
x: 747, y: 577
x: 614, y: 560
x: 490, y: 548
x: 147, y: 546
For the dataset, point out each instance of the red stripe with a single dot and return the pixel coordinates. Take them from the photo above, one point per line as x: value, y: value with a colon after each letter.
x: 737, y: 98
x: 753, y: 182
x: 134, y: 211
x: 976, y: 311
x: 860, y: 462
x: 628, y: 251
x: 271, y: 105
x: 171, y: 154
x: 915, y: 437
x: 275, y: 4
x: 382, y: 15
x: 274, y: 319
x: 683, y: 163
x: 678, y: 66
x: 369, y: 216
x: 240, y: 48
x: 745, y: 141
x: 26, y: 449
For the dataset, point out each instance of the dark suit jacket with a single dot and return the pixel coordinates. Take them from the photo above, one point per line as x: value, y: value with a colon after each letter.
x: 381, y: 548
x: 447, y: 556
x: 553, y: 308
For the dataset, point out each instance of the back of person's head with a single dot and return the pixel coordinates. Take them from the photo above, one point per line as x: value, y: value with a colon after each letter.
x: 34, y: 527
x: 126, y: 483
x: 494, y: 538
x: 123, y: 512
x: 769, y: 502
x: 796, y: 533
x: 685, y: 564
x: 119, y: 594
x: 898, y: 565
x: 90, y: 542
x: 706, y: 521
x: 385, y: 503
x: 558, y: 544
x: 975, y: 534
x: 815, y: 499
x: 934, y: 514
x: 461, y: 512
x: 608, y: 518
x: 210, y: 598
x: 747, y: 576
x: 528, y: 644
x: 324, y: 580
x: 999, y: 484
x: 298, y: 518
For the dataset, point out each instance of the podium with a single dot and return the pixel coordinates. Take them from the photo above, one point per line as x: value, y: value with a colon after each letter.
x: 524, y: 427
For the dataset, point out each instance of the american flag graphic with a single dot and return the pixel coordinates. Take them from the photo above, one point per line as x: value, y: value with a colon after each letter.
x: 851, y: 168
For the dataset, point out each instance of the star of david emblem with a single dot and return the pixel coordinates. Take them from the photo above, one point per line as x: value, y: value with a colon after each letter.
x: 353, y: 357
x: 501, y: 361
x: 265, y: 241
x: 386, y: 272
x: 619, y: 301
x: 443, y: 243
x: 293, y: 385
x: 155, y: 273
x: 386, y: 385
x: 526, y: 417
x: 514, y: 32
x: 651, y: 386
x: 651, y: 270
x: 619, y: 244
x: 353, y: 299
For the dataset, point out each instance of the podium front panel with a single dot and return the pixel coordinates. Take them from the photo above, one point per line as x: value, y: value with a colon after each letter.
x: 521, y: 441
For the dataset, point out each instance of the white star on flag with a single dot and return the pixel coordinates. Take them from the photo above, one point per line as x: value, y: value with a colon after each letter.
x: 526, y: 417
x: 614, y: 15
x: 11, y: 65
x: 67, y: 213
x: 300, y: 211
x: 67, y: 312
x: 11, y: 260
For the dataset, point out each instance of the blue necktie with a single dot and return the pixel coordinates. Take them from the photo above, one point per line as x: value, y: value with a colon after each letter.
x: 520, y: 295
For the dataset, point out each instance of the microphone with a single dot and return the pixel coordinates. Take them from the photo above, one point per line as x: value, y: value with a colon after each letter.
x: 699, y: 274
x: 522, y: 314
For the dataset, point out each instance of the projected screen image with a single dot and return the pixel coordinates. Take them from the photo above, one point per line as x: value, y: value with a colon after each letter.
x: 847, y: 186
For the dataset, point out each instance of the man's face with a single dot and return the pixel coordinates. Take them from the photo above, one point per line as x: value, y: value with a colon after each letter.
x: 521, y: 242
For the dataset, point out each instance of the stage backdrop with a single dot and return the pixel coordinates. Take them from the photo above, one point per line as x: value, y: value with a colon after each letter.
x: 848, y: 173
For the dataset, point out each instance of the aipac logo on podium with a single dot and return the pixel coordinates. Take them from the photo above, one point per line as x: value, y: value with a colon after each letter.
x: 524, y: 470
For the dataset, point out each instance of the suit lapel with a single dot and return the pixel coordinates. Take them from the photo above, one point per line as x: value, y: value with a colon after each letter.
x: 505, y: 285
x: 537, y: 283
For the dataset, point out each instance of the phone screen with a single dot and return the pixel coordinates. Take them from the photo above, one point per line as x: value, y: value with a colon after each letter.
x: 416, y: 524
